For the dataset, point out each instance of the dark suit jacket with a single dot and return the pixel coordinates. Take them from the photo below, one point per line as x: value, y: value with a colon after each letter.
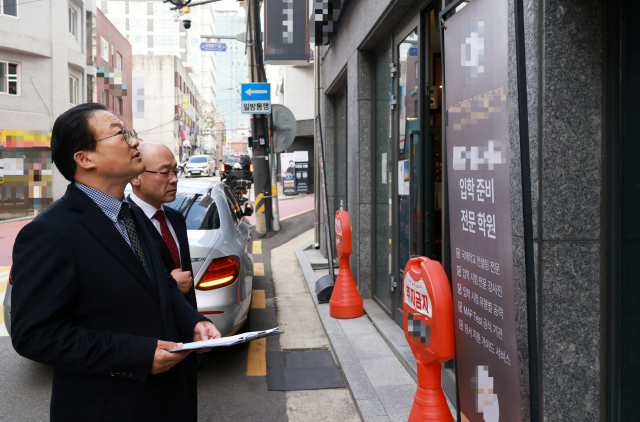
x: 83, y: 303
x: 180, y: 228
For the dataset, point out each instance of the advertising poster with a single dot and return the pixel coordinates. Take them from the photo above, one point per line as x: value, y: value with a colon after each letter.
x: 302, y: 171
x: 288, y: 172
x: 478, y: 159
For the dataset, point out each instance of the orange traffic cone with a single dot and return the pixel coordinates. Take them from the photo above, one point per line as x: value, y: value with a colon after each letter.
x: 346, y: 301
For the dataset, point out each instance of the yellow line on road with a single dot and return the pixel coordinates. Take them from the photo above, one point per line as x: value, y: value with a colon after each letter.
x: 295, y: 215
x: 257, y: 299
x: 258, y: 269
x: 257, y: 359
x: 257, y: 247
x: 3, y: 269
x: 3, y: 286
x: 2, y: 321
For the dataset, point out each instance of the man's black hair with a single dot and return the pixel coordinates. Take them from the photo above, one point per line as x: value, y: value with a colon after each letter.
x: 291, y: 161
x: 72, y: 133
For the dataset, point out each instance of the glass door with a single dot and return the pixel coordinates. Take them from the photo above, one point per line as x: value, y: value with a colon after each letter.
x: 408, y: 154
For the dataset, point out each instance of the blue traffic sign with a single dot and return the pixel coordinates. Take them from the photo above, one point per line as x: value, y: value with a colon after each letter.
x: 213, y: 46
x: 256, y: 98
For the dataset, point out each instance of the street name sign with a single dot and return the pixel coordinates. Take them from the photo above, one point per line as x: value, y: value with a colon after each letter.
x: 256, y: 98
x: 213, y: 46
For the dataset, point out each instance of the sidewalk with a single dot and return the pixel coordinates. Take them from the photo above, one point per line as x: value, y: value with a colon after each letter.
x: 372, y: 353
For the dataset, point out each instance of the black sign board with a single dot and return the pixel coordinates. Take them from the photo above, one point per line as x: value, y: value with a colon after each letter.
x: 479, y: 183
x: 286, y: 35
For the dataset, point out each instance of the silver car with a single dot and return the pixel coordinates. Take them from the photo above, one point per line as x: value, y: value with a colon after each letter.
x: 219, y: 241
x: 199, y: 165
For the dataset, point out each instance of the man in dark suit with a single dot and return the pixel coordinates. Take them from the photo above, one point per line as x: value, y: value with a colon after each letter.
x: 91, y: 296
x: 151, y: 189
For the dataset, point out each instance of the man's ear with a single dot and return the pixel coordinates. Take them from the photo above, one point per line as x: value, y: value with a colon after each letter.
x: 83, y: 160
x: 135, y: 182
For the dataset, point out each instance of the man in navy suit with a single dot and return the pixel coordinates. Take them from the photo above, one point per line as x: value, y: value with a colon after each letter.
x: 91, y: 296
x: 151, y: 189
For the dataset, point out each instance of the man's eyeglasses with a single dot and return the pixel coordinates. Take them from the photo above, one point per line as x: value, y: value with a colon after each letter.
x: 165, y: 175
x: 126, y: 133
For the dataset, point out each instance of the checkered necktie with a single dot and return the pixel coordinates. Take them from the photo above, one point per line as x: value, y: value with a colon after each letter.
x: 125, y: 216
x: 168, y: 237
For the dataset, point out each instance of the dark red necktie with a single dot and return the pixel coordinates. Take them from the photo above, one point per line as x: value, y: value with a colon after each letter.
x: 168, y: 237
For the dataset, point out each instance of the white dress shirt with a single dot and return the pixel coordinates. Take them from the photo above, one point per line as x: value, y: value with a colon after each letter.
x: 150, y: 211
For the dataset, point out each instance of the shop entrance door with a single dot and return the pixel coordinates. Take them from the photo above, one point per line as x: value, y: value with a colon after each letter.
x: 409, y: 154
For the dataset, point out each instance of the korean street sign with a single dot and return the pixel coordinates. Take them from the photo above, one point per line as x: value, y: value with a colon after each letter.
x: 213, y: 46
x: 256, y: 98
x: 479, y: 182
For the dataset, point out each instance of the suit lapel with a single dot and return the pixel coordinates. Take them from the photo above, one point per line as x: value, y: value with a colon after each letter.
x: 103, y: 229
x: 183, y: 241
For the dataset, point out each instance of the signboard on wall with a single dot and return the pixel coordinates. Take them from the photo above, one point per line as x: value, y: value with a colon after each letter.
x: 478, y: 159
x: 286, y: 36
x: 288, y: 172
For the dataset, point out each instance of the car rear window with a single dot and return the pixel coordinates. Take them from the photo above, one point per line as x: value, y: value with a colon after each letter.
x: 198, y: 159
x: 232, y: 159
x: 200, y: 212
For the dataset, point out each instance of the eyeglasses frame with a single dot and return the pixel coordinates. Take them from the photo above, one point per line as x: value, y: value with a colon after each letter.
x: 175, y: 173
x: 126, y: 133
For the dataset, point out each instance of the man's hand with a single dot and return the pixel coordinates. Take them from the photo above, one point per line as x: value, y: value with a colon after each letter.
x: 184, y: 280
x: 205, y: 330
x: 163, y: 360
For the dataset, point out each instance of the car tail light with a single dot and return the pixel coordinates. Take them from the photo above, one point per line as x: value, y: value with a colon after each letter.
x: 221, y: 272
x: 251, y: 168
x: 11, y: 278
x: 223, y: 168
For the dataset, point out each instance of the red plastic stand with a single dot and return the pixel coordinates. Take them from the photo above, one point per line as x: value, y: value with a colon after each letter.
x: 346, y: 301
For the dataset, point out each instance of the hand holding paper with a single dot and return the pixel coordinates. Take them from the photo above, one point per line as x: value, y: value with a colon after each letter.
x: 203, y: 345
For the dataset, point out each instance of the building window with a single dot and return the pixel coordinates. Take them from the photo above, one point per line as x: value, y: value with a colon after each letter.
x: 105, y: 100
x: 104, y: 49
x: 73, y: 17
x: 9, y: 7
x: 119, y: 105
x: 9, y: 78
x: 118, y: 61
x: 73, y: 90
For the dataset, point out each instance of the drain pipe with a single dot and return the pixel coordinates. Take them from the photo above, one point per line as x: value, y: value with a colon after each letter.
x: 527, y: 206
x: 43, y: 102
x: 317, y: 220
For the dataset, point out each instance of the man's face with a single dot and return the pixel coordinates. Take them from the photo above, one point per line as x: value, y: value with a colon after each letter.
x: 156, y: 188
x: 114, y: 158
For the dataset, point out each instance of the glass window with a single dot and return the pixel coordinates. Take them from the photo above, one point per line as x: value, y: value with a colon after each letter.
x: 9, y: 78
x: 119, y: 23
x: 73, y: 90
x: 166, y: 25
x: 200, y: 211
x: 137, y: 8
x: 166, y: 41
x: 118, y: 61
x: 105, y: 99
x: 104, y: 49
x: 116, y: 8
x: 119, y: 105
x: 139, y: 24
x: 72, y: 21
x: 9, y: 7
x: 161, y: 9
x: 233, y: 206
x: 197, y: 160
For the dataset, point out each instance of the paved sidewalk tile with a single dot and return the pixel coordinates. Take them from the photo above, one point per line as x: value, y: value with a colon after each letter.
x: 370, y: 346
x: 385, y: 371
x: 397, y: 400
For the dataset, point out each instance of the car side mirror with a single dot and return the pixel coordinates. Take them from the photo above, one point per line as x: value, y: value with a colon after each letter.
x: 248, y: 210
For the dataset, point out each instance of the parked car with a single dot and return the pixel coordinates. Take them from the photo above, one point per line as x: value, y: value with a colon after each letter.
x: 219, y: 242
x: 243, y: 159
x: 200, y: 165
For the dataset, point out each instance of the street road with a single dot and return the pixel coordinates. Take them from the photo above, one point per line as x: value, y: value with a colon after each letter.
x: 231, y: 383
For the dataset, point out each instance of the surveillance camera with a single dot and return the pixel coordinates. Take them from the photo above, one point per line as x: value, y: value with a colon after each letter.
x: 186, y: 23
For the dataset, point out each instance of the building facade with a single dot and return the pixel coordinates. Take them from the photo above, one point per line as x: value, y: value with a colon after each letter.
x: 153, y: 28
x: 113, y: 63
x: 45, y: 69
x: 385, y: 147
x: 231, y: 68
x: 167, y: 104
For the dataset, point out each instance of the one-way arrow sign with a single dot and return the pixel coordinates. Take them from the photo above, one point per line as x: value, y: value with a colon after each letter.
x: 250, y: 91
x: 256, y: 98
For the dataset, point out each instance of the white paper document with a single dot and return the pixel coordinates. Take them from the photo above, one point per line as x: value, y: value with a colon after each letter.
x: 229, y: 341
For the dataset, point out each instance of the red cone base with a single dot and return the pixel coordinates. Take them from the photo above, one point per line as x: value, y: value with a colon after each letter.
x: 430, y: 405
x: 346, y: 301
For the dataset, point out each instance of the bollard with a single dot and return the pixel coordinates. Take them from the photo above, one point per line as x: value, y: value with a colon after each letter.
x: 428, y: 327
x: 346, y: 301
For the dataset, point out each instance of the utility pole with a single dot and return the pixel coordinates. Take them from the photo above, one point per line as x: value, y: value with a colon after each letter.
x: 259, y: 122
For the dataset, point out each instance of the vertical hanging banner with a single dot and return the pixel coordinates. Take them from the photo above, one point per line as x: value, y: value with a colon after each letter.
x: 302, y: 171
x: 478, y: 159
x: 288, y: 172
x: 286, y: 33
